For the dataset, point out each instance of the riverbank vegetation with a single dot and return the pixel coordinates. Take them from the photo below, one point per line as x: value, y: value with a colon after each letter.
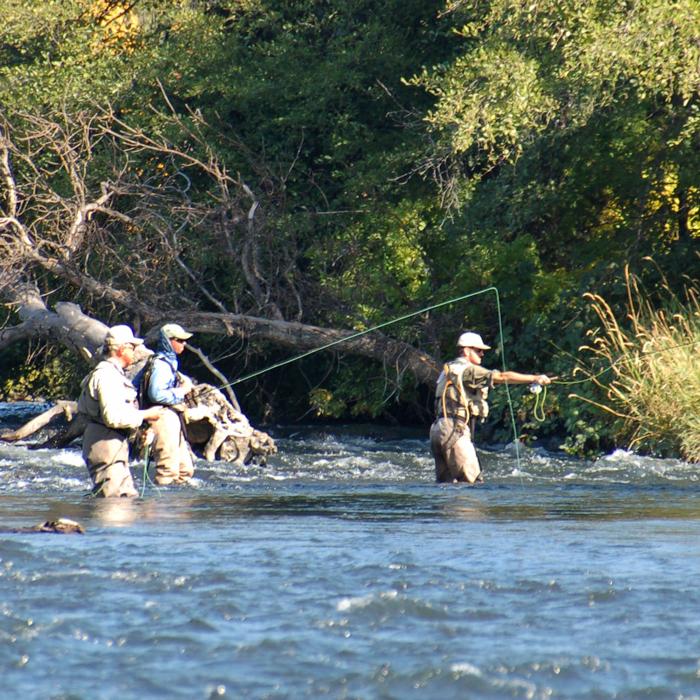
x: 237, y: 164
x: 648, y: 368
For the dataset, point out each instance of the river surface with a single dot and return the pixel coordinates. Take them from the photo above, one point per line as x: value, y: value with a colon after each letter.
x: 341, y: 570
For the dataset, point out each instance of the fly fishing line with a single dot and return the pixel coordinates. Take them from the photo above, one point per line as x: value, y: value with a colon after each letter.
x: 359, y: 334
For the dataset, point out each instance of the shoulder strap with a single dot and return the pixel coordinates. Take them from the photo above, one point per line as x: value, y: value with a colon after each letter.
x: 449, y: 374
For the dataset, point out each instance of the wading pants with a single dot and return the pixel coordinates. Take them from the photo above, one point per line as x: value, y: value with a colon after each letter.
x: 106, y: 453
x: 453, y: 450
x: 171, y: 452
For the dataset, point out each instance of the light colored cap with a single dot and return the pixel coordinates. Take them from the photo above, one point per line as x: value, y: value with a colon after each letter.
x: 122, y: 335
x: 472, y: 340
x: 173, y: 330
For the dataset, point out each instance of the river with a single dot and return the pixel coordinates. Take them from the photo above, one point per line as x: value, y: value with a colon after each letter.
x: 341, y: 570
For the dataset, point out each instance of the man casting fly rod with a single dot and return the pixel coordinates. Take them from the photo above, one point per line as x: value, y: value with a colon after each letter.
x: 462, y: 396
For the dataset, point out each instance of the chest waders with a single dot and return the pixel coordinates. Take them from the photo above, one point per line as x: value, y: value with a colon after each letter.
x: 458, y: 398
x: 462, y: 404
x: 453, y: 401
x: 145, y: 400
x: 89, y: 406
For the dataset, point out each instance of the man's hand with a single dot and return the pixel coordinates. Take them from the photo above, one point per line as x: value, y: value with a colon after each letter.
x: 154, y: 412
x: 186, y: 384
x: 543, y: 379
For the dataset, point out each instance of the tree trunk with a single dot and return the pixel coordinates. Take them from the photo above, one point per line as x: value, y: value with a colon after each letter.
x: 304, y: 337
x: 80, y: 333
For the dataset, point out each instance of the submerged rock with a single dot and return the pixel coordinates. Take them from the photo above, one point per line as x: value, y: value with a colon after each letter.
x: 61, y: 526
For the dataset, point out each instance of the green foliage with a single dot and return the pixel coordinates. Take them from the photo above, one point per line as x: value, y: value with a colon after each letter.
x: 67, y: 52
x: 549, y: 65
x: 573, y: 123
x: 584, y: 439
x: 47, y: 375
x: 361, y: 390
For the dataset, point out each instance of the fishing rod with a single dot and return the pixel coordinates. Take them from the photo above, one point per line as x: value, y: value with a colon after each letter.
x: 359, y: 334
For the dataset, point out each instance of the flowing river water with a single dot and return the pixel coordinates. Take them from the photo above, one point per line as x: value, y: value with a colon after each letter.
x: 341, y: 570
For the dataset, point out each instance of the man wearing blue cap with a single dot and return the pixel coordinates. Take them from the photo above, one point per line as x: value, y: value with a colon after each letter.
x: 462, y: 397
x: 161, y: 384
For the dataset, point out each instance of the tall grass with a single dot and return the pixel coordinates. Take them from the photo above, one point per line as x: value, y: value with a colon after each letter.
x: 652, y: 384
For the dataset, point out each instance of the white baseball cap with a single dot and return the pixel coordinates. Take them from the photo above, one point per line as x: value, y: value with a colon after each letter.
x: 173, y: 330
x: 472, y: 340
x: 122, y: 335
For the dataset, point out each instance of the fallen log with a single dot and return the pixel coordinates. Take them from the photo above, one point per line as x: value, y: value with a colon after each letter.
x: 67, y: 409
x: 218, y: 429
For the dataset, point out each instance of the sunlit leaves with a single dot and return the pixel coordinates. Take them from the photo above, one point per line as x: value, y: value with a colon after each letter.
x: 554, y: 64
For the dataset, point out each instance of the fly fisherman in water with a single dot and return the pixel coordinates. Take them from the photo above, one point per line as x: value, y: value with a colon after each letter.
x: 462, y: 396
x: 160, y: 383
x: 108, y: 399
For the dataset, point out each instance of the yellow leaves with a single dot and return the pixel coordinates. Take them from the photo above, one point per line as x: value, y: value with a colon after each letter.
x: 118, y: 17
x: 120, y: 24
x: 326, y: 404
x: 667, y: 197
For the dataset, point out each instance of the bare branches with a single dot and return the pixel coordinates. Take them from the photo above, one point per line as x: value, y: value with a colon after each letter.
x: 134, y: 222
x: 225, y: 384
x: 239, y: 218
x: 48, y: 203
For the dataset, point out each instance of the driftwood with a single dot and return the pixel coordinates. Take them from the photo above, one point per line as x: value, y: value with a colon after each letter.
x: 61, y: 526
x: 219, y: 430
x: 72, y: 431
x: 67, y: 409
x: 216, y: 428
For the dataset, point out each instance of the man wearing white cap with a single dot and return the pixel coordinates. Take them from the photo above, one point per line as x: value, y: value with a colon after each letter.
x: 160, y: 383
x: 461, y: 397
x: 108, y: 399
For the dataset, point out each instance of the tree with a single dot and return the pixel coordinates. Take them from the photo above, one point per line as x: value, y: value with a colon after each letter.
x: 258, y: 190
x: 55, y: 214
x: 583, y: 115
x: 564, y: 138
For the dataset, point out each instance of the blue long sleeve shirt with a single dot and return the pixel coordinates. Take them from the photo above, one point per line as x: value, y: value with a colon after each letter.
x: 163, y: 388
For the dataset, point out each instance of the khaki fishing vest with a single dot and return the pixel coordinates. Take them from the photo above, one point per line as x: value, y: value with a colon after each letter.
x: 88, y: 402
x: 457, y: 396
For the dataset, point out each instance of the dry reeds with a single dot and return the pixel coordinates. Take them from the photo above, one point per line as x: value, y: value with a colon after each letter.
x: 654, y: 380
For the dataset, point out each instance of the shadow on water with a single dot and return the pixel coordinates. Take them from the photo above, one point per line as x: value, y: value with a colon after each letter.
x: 428, y: 503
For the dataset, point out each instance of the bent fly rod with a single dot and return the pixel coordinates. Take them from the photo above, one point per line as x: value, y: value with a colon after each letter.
x: 398, y: 319
x: 359, y: 334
